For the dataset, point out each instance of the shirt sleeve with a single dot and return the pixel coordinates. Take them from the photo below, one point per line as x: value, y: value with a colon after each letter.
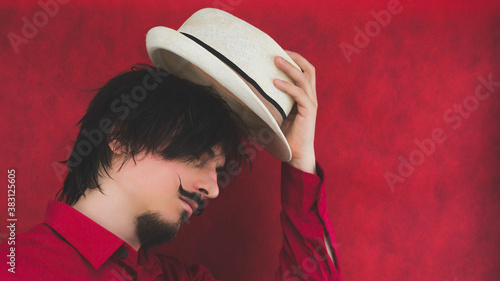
x: 305, y: 223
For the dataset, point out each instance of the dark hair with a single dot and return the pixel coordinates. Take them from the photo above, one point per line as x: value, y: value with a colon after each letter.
x: 149, y: 110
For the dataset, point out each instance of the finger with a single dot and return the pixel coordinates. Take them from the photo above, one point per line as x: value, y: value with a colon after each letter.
x: 302, y: 62
x: 305, y: 65
x: 296, y: 92
x: 298, y: 76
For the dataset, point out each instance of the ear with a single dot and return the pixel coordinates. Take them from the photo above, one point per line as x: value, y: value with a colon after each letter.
x: 117, y: 147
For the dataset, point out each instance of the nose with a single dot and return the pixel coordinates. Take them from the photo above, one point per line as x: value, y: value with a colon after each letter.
x: 209, y: 185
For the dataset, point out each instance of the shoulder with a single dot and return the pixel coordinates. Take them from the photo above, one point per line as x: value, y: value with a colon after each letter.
x: 33, y: 254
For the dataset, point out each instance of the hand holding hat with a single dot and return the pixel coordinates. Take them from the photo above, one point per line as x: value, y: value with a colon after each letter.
x: 299, y: 127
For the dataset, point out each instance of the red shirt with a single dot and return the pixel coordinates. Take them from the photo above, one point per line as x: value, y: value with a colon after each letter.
x: 70, y: 246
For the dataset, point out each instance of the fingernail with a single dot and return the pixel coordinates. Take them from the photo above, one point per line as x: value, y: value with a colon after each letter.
x: 288, y: 52
x: 282, y: 59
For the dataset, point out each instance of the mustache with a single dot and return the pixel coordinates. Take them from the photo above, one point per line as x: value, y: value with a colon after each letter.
x: 195, y: 196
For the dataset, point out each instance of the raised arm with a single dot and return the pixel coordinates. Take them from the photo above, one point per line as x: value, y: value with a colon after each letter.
x: 308, y: 252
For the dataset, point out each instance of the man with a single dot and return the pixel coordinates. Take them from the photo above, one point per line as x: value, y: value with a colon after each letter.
x: 139, y: 170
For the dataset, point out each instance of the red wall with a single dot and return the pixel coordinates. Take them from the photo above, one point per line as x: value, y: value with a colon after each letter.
x: 439, y: 221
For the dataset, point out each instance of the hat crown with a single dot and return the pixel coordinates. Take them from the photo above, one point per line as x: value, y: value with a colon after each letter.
x: 249, y: 48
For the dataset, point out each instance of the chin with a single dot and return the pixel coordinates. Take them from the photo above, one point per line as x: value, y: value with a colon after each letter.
x: 153, y: 229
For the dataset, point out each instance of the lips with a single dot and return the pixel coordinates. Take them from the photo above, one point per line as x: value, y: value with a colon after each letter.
x: 192, y: 205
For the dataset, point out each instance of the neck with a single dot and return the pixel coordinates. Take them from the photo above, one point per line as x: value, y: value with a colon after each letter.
x: 112, y: 210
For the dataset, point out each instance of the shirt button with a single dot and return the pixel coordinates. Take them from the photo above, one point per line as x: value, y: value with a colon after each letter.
x: 123, y: 254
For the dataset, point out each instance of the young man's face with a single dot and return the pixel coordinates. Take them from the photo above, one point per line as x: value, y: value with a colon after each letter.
x: 165, y: 193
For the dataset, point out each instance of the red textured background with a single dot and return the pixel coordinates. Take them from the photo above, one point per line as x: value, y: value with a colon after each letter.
x: 440, y: 224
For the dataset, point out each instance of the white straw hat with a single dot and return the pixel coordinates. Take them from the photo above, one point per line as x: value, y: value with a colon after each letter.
x: 215, y: 48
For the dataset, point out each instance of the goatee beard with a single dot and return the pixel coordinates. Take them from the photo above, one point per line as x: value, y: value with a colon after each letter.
x: 151, y: 230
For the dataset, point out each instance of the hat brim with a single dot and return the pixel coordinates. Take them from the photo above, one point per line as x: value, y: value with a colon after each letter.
x: 174, y: 52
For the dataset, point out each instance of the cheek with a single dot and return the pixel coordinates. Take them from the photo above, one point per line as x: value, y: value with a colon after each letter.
x: 158, y: 188
x: 150, y: 184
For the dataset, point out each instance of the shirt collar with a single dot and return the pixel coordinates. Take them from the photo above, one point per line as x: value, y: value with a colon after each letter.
x: 92, y: 241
